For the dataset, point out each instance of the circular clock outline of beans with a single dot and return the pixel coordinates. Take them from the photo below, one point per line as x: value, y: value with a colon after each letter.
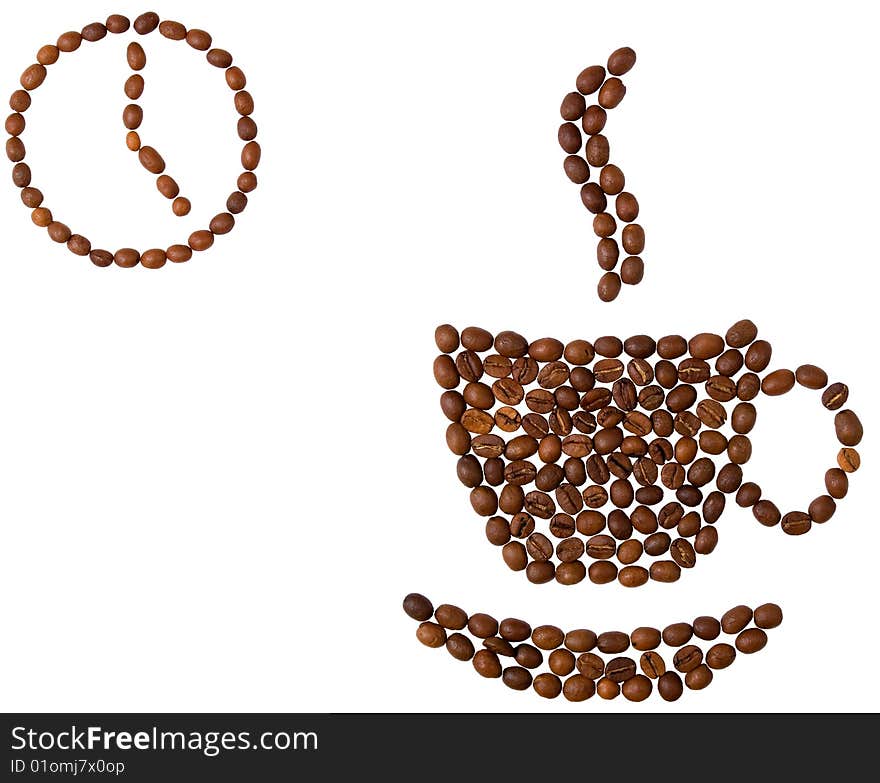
x: 199, y: 40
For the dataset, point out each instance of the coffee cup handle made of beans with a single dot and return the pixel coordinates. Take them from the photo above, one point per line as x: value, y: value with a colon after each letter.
x: 132, y: 117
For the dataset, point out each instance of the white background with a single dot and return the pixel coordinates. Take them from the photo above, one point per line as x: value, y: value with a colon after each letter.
x: 220, y: 479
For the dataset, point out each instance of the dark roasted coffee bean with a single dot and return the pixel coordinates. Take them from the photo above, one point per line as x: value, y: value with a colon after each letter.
x: 619, y: 525
x: 682, y: 552
x: 482, y: 625
x: 418, y: 607
x: 706, y: 540
x: 511, y: 500
x: 594, y: 119
x: 822, y: 509
x: 522, y: 525
x: 768, y: 616
x: 689, y: 524
x: 698, y: 678
x: 517, y: 678
x: 460, y: 647
x: 748, y: 494
x: 729, y: 363
x: 741, y: 334
x: 590, y: 79
x: 681, y: 398
x: 748, y: 386
x: 713, y: 506
x: 528, y: 656
x: 499, y: 646
x: 729, y: 478
x: 573, y: 106
x: 593, y: 198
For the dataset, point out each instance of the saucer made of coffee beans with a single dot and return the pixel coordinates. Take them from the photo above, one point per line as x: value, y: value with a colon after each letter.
x: 589, y: 452
x: 132, y: 116
x: 593, y: 158
x: 580, y: 663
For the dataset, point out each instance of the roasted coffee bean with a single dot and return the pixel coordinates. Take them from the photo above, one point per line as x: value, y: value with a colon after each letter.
x: 748, y: 386
x: 593, y: 120
x: 522, y: 525
x: 677, y: 634
x: 569, y: 137
x: 698, y: 678
x: 836, y: 483
x: 611, y: 180
x: 540, y: 401
x: 582, y: 379
x: 713, y: 506
x: 547, y: 637
x: 632, y: 270
x: 576, y: 169
x: 644, y: 520
x: 751, y: 640
x: 607, y: 253
x: 515, y: 630
x: 768, y: 616
x: 706, y: 540
x: 511, y: 500
x: 711, y: 413
x: 460, y: 647
x: 611, y: 93
x: 515, y: 556
x: 570, y: 501
x: 758, y: 355
x: 796, y: 523
x: 590, y: 79
x: 701, y: 472
x: 593, y: 198
x: 540, y: 572
x: 835, y: 396
x: 619, y: 525
x: 687, y: 658
x: 517, y: 678
x: 766, y: 512
x: 602, y: 572
x: 729, y: 477
x: 549, y: 478
x: 689, y: 524
x: 431, y: 634
x: 561, y: 662
x: 670, y: 687
x: 508, y: 419
x: 511, y: 345
x: 590, y: 523
x: 633, y: 576
x: 570, y: 550
x: 748, y: 494
x: 633, y: 235
x: 620, y: 669
x: 446, y: 337
x: 645, y: 638
x: 721, y: 388
x: 705, y: 345
x: 477, y: 421
x: 474, y: 338
x: 739, y: 449
x: 547, y: 685
x: 609, y: 286
x: 665, y: 571
x: 539, y: 547
x: 499, y: 646
x: 734, y: 620
x: 528, y: 656
x: 822, y: 509
x: 720, y: 655
x: 573, y: 106
x: 580, y: 640
x: 418, y: 607
x: 535, y: 425
x: 729, y: 363
x: 612, y: 642
x: 683, y: 553
x: 681, y: 398
x: 484, y: 501
x: 848, y: 428
x: 652, y: 664
x: 811, y: 377
x: 712, y: 442
x: 451, y: 617
x: 707, y: 628
x: 641, y: 373
x: 849, y: 460
x: 578, y: 688
x: 486, y: 664
x: 590, y: 665
x: 741, y: 334
x: 497, y: 366
x: 778, y: 382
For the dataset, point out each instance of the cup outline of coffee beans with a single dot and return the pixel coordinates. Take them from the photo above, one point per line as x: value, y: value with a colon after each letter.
x: 589, y: 164
x: 586, y: 452
x: 132, y: 116
x: 580, y: 663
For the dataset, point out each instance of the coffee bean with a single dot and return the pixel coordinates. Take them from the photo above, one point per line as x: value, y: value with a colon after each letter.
x: 602, y: 572
x: 778, y: 382
x: 451, y: 617
x: 460, y: 647
x: 849, y: 460
x: 511, y: 345
x: 683, y: 553
x: 609, y: 286
x: 499, y: 646
x: 665, y: 570
x: 522, y: 525
x: 431, y: 634
x: 835, y: 396
x: 611, y: 93
x: 621, y: 60
x: 748, y: 494
x: 528, y: 656
x: 688, y: 658
x: 573, y: 106
x: 706, y: 628
x: 632, y: 270
x: 497, y: 366
x: 705, y: 345
x: 633, y: 576
x: 446, y: 337
x: 796, y: 523
x: 627, y: 207
x: 734, y: 620
x: 486, y: 664
x: 766, y: 512
x: 690, y: 522
x: 539, y: 547
x: 836, y: 483
x: 706, y: 540
x: 821, y: 509
x: 751, y: 640
x: 569, y: 137
x: 644, y: 519
x: 677, y: 634
x: 681, y: 398
x: 612, y: 642
x: 633, y: 235
x: 590, y: 79
x: 758, y: 355
x: 729, y: 363
x: 645, y: 638
x: 713, y: 507
x: 698, y: 678
x: 620, y: 669
x: 474, y: 338
x: 418, y: 607
x: 848, y: 428
x: 730, y: 476
x: 547, y: 685
x: 482, y: 625
x: 748, y: 386
x: 768, y: 616
x: 517, y: 678
x: 720, y: 655
x: 514, y: 630
x: 611, y: 179
x: 811, y: 377
x: 652, y: 664
x: 739, y: 449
